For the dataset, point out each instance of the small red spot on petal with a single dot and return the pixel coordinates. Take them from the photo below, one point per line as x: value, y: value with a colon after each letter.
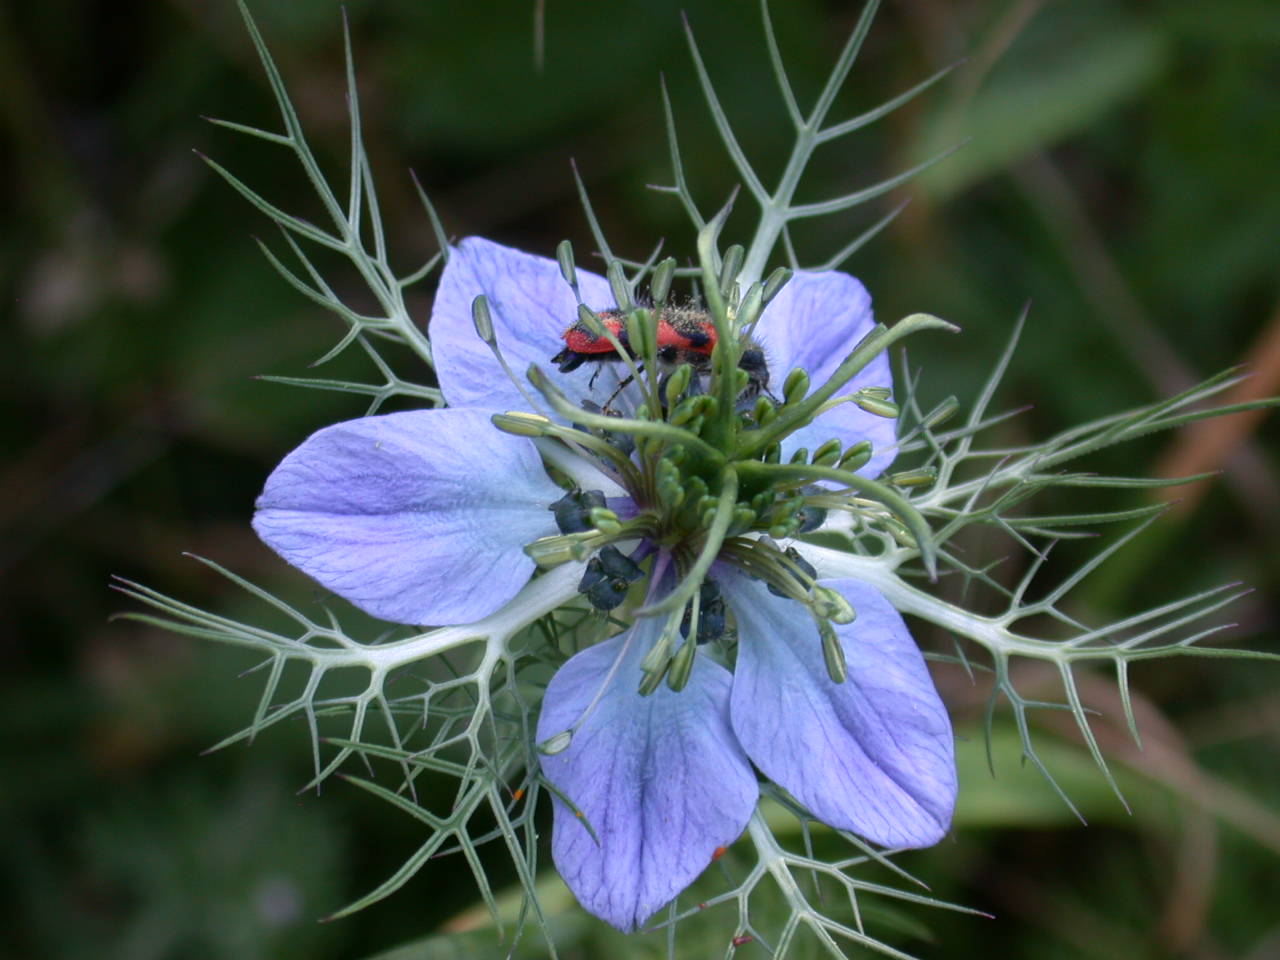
x: 718, y: 852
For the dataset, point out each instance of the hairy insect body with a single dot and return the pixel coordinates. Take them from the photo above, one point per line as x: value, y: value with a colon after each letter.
x: 684, y: 335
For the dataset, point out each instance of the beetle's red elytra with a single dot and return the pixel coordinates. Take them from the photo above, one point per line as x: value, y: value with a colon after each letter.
x: 684, y: 335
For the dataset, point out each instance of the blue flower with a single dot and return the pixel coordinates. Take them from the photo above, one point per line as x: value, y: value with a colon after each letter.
x: 423, y: 518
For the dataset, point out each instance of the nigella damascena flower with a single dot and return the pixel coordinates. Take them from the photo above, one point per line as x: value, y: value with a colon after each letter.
x: 427, y: 518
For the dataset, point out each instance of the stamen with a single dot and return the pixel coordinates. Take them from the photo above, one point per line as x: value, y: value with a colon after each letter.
x: 568, y: 269
x: 941, y: 413
x: 483, y: 320
x: 855, y: 457
x: 660, y: 283
x: 716, y: 533
x: 561, y: 741
x: 802, y: 413
x: 798, y: 474
x: 677, y: 383
x: 914, y: 478
x: 730, y: 267
x: 618, y: 285
x: 682, y: 664
x: 828, y: 454
x: 752, y: 303
x: 775, y: 282
x: 833, y: 653
x: 874, y: 405
x: 795, y: 387
x: 639, y: 428
x: 659, y: 661
x: 800, y: 571
x: 538, y: 427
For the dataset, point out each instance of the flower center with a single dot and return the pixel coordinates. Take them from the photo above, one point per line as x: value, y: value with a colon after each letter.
x: 695, y: 439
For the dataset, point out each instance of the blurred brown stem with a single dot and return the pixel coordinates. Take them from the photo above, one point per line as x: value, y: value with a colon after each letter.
x: 1115, y: 303
x: 1212, y: 444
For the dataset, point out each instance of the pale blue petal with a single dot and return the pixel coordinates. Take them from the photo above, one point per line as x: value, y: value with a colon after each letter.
x: 531, y: 306
x: 416, y: 517
x: 661, y: 779
x: 874, y: 754
x: 813, y: 323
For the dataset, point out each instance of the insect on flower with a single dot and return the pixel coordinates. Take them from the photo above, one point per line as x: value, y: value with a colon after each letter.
x: 684, y: 335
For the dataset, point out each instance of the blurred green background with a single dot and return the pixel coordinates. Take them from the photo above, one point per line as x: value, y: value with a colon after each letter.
x: 1121, y: 176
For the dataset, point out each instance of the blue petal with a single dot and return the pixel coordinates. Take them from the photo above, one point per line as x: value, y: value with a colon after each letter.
x: 414, y: 517
x: 813, y: 323
x: 661, y: 780
x: 531, y: 306
x: 874, y: 754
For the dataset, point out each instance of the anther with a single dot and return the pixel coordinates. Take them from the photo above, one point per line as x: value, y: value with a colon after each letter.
x: 831, y: 605
x: 686, y: 410
x: 642, y: 334
x: 681, y: 666
x: 855, y: 457
x: 548, y: 552
x: 752, y: 304
x: 660, y: 285
x: 795, y: 386
x: 556, y: 744
x: 677, y: 384
x: 618, y: 285
x: 764, y: 411
x: 606, y: 521
x: 941, y: 413
x: 744, y: 518
x: 483, y: 320
x: 914, y: 478
x: 873, y: 405
x: 730, y: 267
x: 827, y: 454
x: 776, y: 281
x: 522, y: 424
x: 564, y: 256
x: 833, y: 653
